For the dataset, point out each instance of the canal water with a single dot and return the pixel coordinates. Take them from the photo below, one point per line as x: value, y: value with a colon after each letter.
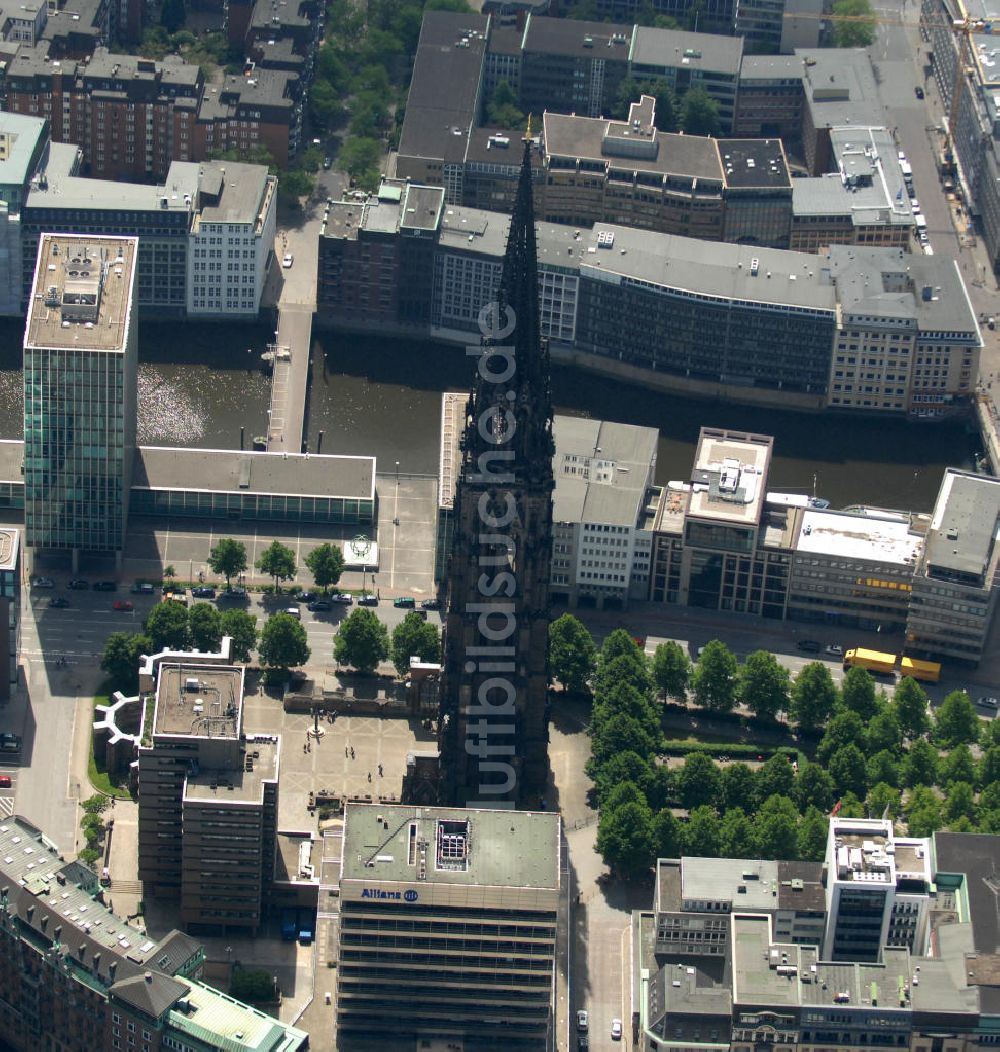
x: 199, y: 384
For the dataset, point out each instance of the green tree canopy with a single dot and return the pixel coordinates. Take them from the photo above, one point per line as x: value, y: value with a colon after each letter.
x: 884, y: 767
x: 813, y: 830
x: 167, y: 626
x: 229, y: 558
x: 737, y: 836
x: 857, y: 692
x: 763, y: 685
x: 776, y: 777
x: 671, y: 670
x: 572, y: 653
x: 617, y: 644
x: 814, y: 788
x: 957, y: 720
x: 853, y: 23
x: 714, y: 680
x: 625, y: 839
x: 923, y: 812
x: 989, y: 767
x: 362, y: 641
x: 737, y: 788
x: 961, y: 800
x: 205, y: 626
x: 252, y: 985
x: 241, y: 627
x: 621, y: 733
x: 910, y: 704
x: 360, y: 157
x: 698, y: 781
x: 414, y: 637
x: 326, y: 563
x: 814, y: 697
x: 777, y: 828
x: 624, y: 699
x: 957, y: 766
x: 623, y: 767
x: 702, y: 832
x: 920, y: 764
x: 625, y: 793
x: 502, y: 110
x: 883, y: 799
x: 120, y: 660
x: 700, y: 113
x: 848, y: 771
x: 884, y: 732
x: 283, y: 642
x: 668, y: 835
x: 631, y: 669
x: 277, y: 561
x: 846, y: 728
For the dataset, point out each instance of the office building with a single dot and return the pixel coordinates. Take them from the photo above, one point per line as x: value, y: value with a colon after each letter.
x: 79, y: 395
x: 24, y: 149
x: 955, y: 578
x: 769, y: 97
x: 10, y: 609
x: 410, y: 878
x: 76, y: 977
x: 208, y: 795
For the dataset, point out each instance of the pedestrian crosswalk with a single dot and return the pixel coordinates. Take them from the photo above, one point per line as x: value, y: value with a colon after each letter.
x: 7, y: 806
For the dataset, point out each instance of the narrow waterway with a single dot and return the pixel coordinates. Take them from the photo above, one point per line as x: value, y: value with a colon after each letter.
x: 200, y: 383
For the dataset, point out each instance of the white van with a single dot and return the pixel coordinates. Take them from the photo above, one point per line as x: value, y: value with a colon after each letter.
x: 294, y: 611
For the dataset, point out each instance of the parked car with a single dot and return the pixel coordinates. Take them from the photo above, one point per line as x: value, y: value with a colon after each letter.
x: 327, y: 163
x: 203, y: 592
x: 287, y: 260
x: 810, y: 646
x: 105, y: 877
x: 5, y: 781
x: 320, y: 604
x: 989, y: 702
x: 78, y: 584
x: 834, y: 650
x: 122, y: 604
x: 234, y: 593
x: 58, y: 603
x: 342, y: 597
x: 367, y: 599
x: 405, y: 601
x: 293, y: 611
x: 42, y: 582
x: 581, y: 1019
x: 616, y: 1030
x: 140, y: 588
x: 106, y: 586
x: 918, y: 91
x: 306, y: 597
x: 431, y: 604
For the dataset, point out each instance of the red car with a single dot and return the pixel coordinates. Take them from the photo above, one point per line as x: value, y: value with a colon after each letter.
x: 5, y: 782
x: 122, y: 604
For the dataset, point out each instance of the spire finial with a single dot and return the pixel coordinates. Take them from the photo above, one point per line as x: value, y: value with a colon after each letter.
x: 527, y: 134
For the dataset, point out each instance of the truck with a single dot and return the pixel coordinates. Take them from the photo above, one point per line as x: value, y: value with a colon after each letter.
x: 928, y: 671
x: 906, y: 169
x: 873, y: 660
x: 307, y: 926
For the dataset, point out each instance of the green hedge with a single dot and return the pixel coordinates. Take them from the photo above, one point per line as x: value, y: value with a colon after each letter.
x: 743, y: 750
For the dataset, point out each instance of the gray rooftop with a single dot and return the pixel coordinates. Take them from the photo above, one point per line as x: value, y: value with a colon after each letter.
x: 421, y: 208
x: 840, y: 87
x: 243, y: 785
x: 213, y: 710
x: 515, y: 849
x: 675, y: 48
x: 752, y: 163
x: 771, y: 67
x: 721, y: 880
x: 75, y: 193
x: 590, y: 40
x: 729, y: 478
x: 9, y: 545
x: 978, y: 857
x: 232, y: 192
x: 601, y: 470
x: 962, y: 535
x: 19, y: 141
x: 267, y: 87
x: 239, y: 471
x: 441, y: 104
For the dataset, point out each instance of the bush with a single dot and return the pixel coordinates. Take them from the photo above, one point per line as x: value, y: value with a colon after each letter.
x: 89, y: 855
x: 252, y: 985
x: 95, y: 804
x: 685, y: 746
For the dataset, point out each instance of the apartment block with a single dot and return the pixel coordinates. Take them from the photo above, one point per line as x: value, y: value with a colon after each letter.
x: 80, y: 365
x: 77, y: 977
x: 410, y: 878
x: 207, y: 796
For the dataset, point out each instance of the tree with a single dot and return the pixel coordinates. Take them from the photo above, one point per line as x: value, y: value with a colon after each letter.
x: 701, y: 833
x: 252, y: 985
x: 623, y: 699
x: 957, y: 766
x: 957, y: 720
x: 882, y: 800
x: 621, y: 733
x: 241, y: 627
x: 502, y: 110
x: 848, y: 771
x: 813, y: 830
x: 814, y: 788
x: 777, y: 828
x: 414, y: 637
x: 618, y: 644
x: 658, y: 785
x: 205, y: 626
x: 671, y: 670
x: 763, y: 685
x: 737, y: 788
x: 920, y: 764
x: 122, y: 653
x: 626, y: 793
x: 283, y: 643
x: 910, y: 704
x: 960, y: 801
x: 167, y: 626
x: 229, y: 558
x: 857, y: 692
x: 700, y: 113
x: 714, y: 679
x: 845, y: 728
x: 884, y: 732
x: 572, y: 653
x: 814, y: 697
x: 989, y: 767
x: 625, y: 839
x: 923, y: 812
x: 360, y: 158
x: 855, y: 26
x: 626, y: 766
x: 326, y: 563
x: 736, y: 835
x: 883, y: 767
x: 363, y: 641
x: 629, y: 669
x: 668, y: 834
x: 277, y: 561
x: 776, y: 777
x: 698, y: 781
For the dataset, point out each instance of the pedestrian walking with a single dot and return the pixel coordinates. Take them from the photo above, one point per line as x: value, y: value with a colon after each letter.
x: 380, y: 770
x: 369, y: 776
x: 352, y: 752
x: 346, y: 751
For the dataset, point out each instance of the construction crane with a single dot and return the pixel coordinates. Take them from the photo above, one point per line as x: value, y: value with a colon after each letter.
x: 962, y: 27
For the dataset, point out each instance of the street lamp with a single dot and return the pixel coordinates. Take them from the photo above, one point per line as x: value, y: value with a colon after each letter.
x: 397, y: 472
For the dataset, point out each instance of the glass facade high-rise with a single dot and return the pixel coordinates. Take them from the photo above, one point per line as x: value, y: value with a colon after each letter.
x: 79, y: 394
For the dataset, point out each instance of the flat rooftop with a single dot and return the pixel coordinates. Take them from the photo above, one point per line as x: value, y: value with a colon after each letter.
x: 232, y: 192
x: 840, y: 535
x: 81, y: 297
x: 729, y: 478
x: 240, y: 786
x: 754, y: 163
x: 660, y: 49
x: 299, y: 857
x: 601, y: 470
x: 19, y: 139
x: 242, y: 471
x: 746, y: 883
x: 453, y: 405
x: 963, y: 529
x: 769, y: 68
x: 9, y: 543
x: 515, y: 849
x: 565, y: 36
x: 64, y: 190
x: 213, y: 710
x: 421, y: 208
x: 978, y: 857
x: 840, y: 87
